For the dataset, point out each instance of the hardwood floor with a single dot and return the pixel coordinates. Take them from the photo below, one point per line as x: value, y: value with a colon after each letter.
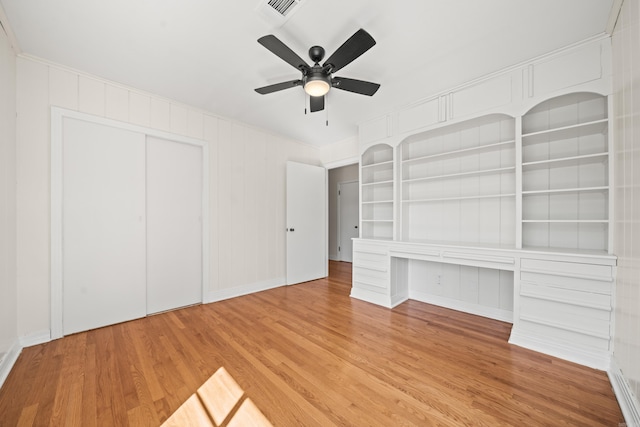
x: 307, y: 355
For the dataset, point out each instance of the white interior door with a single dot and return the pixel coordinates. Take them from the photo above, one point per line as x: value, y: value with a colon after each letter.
x: 103, y: 225
x: 174, y: 224
x: 306, y: 223
x: 348, y: 203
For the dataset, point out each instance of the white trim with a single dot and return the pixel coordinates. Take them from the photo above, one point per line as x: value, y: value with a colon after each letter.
x: 4, y: 22
x: 9, y: 359
x: 376, y: 298
x: 223, y: 294
x: 340, y: 163
x: 57, y: 116
x: 506, y: 70
x: 592, y: 358
x: 628, y: 402
x: 467, y: 307
x: 616, y: 7
x: 34, y: 339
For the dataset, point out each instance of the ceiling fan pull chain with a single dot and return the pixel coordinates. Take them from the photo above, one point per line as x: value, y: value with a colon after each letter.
x: 326, y: 110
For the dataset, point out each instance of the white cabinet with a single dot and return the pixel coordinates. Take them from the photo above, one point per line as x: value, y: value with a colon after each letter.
x: 499, y: 190
x: 458, y: 183
x: 371, y: 272
x: 565, y: 173
x: 377, y: 192
x: 565, y: 307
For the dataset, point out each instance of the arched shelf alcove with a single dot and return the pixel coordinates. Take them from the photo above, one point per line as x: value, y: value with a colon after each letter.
x: 377, y: 192
x: 458, y: 183
x: 566, y: 173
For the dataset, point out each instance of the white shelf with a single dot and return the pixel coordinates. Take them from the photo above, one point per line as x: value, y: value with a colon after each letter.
x: 446, y: 199
x: 479, y: 148
x: 566, y: 161
x: 365, y: 184
x: 377, y: 192
x: 371, y: 202
x: 460, y: 174
x: 378, y: 165
x: 567, y: 221
x: 567, y: 190
x: 587, y: 128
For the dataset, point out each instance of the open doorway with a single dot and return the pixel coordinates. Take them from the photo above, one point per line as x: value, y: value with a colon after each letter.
x: 343, y: 218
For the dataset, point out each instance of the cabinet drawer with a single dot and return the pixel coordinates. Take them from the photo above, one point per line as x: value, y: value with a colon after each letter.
x: 564, y: 282
x: 584, y: 320
x: 370, y: 276
x: 554, y: 336
x: 597, y: 300
x: 371, y: 261
x: 568, y: 269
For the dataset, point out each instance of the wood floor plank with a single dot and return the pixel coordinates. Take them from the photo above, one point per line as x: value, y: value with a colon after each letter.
x: 306, y: 355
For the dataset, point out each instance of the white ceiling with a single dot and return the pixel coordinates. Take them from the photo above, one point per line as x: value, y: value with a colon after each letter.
x: 204, y: 52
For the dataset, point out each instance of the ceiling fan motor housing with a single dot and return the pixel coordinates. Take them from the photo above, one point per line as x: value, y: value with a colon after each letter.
x: 316, y: 53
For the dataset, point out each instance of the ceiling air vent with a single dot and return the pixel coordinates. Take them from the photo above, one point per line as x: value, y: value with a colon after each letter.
x: 277, y: 12
x: 283, y: 6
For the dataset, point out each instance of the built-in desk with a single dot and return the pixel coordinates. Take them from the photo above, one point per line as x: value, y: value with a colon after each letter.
x: 560, y: 303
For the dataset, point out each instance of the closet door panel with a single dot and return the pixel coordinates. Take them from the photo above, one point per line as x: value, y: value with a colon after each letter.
x: 174, y: 225
x: 103, y: 226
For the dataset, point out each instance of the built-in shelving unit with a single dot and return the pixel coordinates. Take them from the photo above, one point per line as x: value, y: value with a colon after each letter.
x: 565, y: 174
x: 458, y: 183
x: 377, y: 195
x: 496, y: 200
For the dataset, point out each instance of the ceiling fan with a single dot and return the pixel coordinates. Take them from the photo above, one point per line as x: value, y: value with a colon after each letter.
x: 318, y: 80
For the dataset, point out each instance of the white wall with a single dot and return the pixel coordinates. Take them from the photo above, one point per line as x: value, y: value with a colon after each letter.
x: 8, y: 298
x: 336, y: 176
x: 343, y: 152
x: 247, y: 182
x: 626, y: 75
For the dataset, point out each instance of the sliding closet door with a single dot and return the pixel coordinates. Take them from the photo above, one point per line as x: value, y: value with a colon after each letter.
x: 174, y: 224
x: 103, y: 227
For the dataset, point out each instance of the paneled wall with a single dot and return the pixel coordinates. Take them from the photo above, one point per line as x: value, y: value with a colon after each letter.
x: 8, y: 312
x: 626, y: 74
x: 247, y: 182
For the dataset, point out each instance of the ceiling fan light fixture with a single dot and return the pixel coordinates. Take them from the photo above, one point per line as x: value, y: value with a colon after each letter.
x: 317, y: 85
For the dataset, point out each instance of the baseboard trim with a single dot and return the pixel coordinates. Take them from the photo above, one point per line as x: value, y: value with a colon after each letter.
x: 467, y: 307
x: 239, y: 291
x: 9, y: 359
x: 628, y: 402
x: 594, y: 359
x: 35, y: 339
x: 376, y: 298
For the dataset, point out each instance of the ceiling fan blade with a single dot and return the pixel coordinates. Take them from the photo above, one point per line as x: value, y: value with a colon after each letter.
x: 317, y: 103
x: 355, y: 86
x: 278, y: 86
x: 280, y: 49
x: 355, y: 46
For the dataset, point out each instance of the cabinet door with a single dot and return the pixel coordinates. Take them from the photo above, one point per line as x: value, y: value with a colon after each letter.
x: 174, y: 225
x: 103, y: 226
